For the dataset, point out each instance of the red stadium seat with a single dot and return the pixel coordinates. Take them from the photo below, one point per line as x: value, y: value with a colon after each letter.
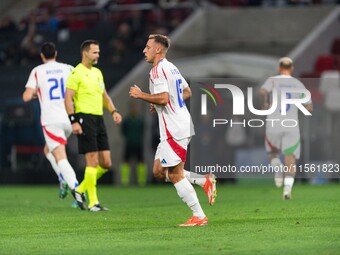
x: 310, y: 75
x: 317, y: 96
x: 325, y: 63
x: 311, y: 81
x: 17, y: 150
x: 67, y: 3
x: 335, y: 49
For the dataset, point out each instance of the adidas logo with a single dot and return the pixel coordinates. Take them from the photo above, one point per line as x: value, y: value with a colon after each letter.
x: 163, y: 161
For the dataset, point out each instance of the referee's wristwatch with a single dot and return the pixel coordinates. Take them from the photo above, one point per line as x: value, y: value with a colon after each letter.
x: 115, y: 110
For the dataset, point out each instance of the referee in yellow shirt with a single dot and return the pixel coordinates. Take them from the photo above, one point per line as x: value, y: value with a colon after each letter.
x: 84, y: 100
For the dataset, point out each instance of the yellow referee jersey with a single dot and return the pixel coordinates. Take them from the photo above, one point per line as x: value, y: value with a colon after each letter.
x: 89, y: 86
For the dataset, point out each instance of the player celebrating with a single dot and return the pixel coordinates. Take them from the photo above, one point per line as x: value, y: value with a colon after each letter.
x: 47, y: 82
x: 168, y: 91
x: 279, y: 138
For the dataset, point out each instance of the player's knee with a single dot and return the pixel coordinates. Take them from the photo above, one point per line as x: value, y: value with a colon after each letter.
x: 106, y: 164
x: 158, y: 173
x: 46, y: 149
x: 174, y: 177
x: 91, y: 159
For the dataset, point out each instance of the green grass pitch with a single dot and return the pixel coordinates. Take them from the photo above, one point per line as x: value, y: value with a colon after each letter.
x: 249, y: 218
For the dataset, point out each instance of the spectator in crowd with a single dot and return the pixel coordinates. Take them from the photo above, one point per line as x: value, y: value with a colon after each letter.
x: 7, y: 25
x: 29, y: 46
x: 47, y: 22
x: 120, y: 43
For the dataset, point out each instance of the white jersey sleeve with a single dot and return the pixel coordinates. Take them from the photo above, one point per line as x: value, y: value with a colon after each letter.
x: 32, y: 79
x: 160, y: 84
x: 268, y: 84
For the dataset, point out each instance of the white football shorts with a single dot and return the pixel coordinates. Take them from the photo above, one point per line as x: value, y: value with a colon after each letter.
x: 171, y: 152
x: 287, y: 142
x: 56, y: 134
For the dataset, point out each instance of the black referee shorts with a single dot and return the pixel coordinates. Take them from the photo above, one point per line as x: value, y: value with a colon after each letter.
x: 94, y: 136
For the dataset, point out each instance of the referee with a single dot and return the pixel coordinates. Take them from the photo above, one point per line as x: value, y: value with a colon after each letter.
x: 84, y: 100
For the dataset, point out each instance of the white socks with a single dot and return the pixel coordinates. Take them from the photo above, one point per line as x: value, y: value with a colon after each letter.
x: 276, y: 162
x: 192, y: 177
x: 195, y: 178
x: 63, y: 170
x: 288, y: 184
x: 167, y: 179
x: 54, y: 165
x: 68, y: 173
x: 188, y: 194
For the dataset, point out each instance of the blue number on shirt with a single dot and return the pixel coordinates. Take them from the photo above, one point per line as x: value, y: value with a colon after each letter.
x: 57, y: 90
x: 179, y: 93
x: 289, y: 96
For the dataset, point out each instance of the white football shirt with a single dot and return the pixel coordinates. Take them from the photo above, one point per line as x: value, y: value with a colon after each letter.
x: 287, y: 82
x: 174, y: 118
x: 49, y: 80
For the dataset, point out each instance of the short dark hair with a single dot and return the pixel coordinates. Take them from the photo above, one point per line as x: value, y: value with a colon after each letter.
x: 85, y: 46
x: 48, y: 49
x: 161, y: 39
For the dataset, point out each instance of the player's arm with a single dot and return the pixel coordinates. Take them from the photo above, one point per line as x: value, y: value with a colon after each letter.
x: 29, y: 94
x: 187, y: 93
x: 309, y: 104
x: 108, y: 104
x: 264, y: 99
x: 309, y: 107
x: 31, y: 87
x: 69, y: 94
x: 76, y: 128
x: 159, y: 99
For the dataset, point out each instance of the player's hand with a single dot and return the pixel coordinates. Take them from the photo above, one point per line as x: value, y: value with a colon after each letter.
x: 117, y: 118
x: 152, y: 108
x: 76, y: 129
x: 35, y: 95
x: 135, y: 92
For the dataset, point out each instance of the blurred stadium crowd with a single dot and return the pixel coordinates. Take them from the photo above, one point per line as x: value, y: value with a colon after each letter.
x: 128, y: 22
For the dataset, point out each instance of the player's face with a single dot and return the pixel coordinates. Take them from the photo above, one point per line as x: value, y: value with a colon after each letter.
x: 92, y: 55
x: 150, y: 51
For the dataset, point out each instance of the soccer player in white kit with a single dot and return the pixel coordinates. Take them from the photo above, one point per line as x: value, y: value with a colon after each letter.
x: 279, y: 137
x: 47, y: 81
x: 169, y: 90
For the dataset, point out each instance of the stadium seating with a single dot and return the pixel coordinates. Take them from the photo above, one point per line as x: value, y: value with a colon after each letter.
x: 324, y: 80
x: 22, y: 134
x: 325, y: 63
x: 335, y: 49
x: 18, y: 159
